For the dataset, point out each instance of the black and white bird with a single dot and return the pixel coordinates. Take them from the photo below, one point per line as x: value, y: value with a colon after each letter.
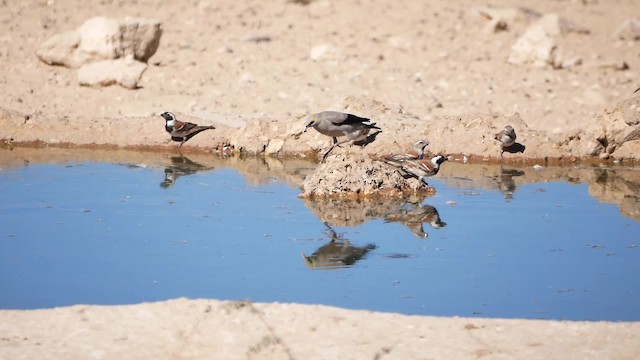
x: 420, y: 169
x: 336, y: 124
x: 181, y: 131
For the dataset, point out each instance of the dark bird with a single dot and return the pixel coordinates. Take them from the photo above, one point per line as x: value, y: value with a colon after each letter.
x: 335, y: 124
x: 181, y: 131
x: 338, y: 253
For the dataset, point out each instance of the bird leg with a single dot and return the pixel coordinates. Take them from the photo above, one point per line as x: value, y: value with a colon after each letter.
x: 324, y: 157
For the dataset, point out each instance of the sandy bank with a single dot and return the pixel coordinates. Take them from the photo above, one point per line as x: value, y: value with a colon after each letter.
x: 209, y: 329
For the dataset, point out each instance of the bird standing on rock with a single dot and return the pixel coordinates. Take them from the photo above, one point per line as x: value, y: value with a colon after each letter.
x: 420, y: 169
x: 507, y: 138
x: 335, y: 124
x: 416, y: 152
x: 181, y: 131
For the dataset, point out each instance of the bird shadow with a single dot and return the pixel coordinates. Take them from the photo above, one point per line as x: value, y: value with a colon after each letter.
x: 368, y: 140
x: 515, y: 148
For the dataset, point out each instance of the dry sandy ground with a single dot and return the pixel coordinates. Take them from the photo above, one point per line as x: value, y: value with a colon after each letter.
x: 210, y: 329
x: 418, y: 68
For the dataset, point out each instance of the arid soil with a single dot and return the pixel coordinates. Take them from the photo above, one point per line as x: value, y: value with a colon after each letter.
x: 437, y: 70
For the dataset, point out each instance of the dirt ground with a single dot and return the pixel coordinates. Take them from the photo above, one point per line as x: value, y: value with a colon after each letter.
x: 420, y: 69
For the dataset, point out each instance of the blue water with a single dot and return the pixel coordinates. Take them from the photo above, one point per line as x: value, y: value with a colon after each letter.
x: 101, y: 233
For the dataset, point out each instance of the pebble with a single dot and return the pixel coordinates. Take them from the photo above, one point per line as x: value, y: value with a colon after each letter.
x: 538, y: 167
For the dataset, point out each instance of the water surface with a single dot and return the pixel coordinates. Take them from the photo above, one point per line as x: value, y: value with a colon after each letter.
x: 492, y: 242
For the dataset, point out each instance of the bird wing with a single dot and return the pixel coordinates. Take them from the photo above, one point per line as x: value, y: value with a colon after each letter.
x: 183, y: 126
x: 349, y: 119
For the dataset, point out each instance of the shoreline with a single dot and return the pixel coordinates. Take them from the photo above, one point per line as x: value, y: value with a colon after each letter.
x: 245, y: 330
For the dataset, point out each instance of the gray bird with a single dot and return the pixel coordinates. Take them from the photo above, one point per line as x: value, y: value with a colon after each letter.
x: 507, y: 138
x: 335, y: 124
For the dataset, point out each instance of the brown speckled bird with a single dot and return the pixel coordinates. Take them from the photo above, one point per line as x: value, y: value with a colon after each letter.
x: 420, y: 169
x: 415, y: 153
x: 179, y: 130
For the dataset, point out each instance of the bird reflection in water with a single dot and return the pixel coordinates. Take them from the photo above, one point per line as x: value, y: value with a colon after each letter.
x: 180, y: 166
x: 338, y: 253
x: 413, y: 216
x: 506, y: 183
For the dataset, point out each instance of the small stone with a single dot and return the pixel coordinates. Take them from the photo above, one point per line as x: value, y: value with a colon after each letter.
x: 538, y: 167
x: 274, y: 147
x: 320, y: 52
x: 628, y: 30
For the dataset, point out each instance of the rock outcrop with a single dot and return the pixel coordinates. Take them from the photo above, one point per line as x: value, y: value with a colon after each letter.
x: 357, y: 176
x: 106, y: 51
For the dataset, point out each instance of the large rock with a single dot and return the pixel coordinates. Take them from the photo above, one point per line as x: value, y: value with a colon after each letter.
x: 102, y: 38
x: 357, y: 176
x: 537, y: 46
x: 125, y: 72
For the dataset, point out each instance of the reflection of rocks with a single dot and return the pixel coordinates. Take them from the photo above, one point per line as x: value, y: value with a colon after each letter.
x: 256, y: 170
x: 180, y: 166
x: 619, y: 185
x: 414, y: 215
x: 339, y: 212
x: 338, y: 253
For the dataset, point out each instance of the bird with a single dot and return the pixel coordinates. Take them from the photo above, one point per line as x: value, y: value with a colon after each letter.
x: 507, y: 137
x: 414, y: 216
x: 181, y: 131
x: 334, y: 124
x: 416, y: 152
x: 420, y: 169
x: 338, y: 253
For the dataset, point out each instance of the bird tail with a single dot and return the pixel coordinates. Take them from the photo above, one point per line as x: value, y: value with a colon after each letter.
x: 372, y: 126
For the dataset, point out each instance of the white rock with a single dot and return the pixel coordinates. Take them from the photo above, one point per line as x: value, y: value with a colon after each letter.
x: 537, y: 46
x: 102, y: 38
x: 629, y: 30
x: 320, y: 52
x: 399, y: 42
x: 61, y: 49
x: 274, y: 146
x: 125, y: 72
